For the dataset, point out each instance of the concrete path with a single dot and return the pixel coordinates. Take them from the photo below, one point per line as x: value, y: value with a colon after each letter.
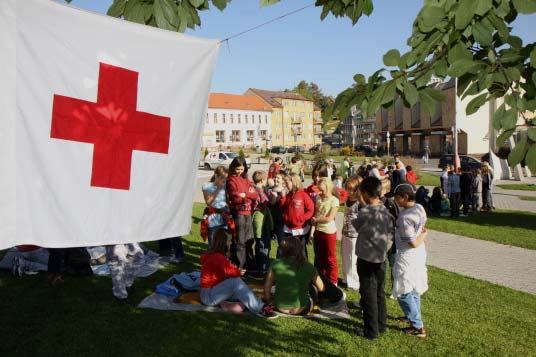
x: 497, y: 263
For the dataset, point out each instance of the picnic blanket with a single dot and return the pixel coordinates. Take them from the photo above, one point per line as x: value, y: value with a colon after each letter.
x: 151, y: 264
x: 190, y: 301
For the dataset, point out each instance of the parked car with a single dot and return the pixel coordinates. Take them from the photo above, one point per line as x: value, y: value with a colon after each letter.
x: 367, y: 150
x: 224, y: 158
x: 278, y: 150
x: 465, y: 161
x: 315, y: 148
x: 294, y: 149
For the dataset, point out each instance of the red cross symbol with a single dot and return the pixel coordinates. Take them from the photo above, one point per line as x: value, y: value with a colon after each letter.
x: 112, y: 125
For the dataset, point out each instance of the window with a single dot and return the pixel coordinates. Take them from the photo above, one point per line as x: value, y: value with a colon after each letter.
x: 246, y: 117
x: 215, y: 118
x: 385, y: 119
x: 232, y: 119
x: 399, y: 114
x: 206, y: 120
x: 250, y: 134
x: 285, y: 115
x: 262, y: 134
x: 416, y: 116
x: 223, y: 118
x: 235, y: 135
x: 437, y: 118
x: 265, y: 119
x: 220, y: 136
x: 260, y: 119
x: 238, y: 118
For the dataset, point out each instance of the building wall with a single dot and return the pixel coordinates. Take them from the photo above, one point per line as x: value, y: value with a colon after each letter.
x: 226, y: 121
x: 475, y: 127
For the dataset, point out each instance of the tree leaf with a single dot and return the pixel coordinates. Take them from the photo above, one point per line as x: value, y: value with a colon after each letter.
x: 482, y: 35
x: 463, y: 66
x: 375, y: 100
x: 533, y: 57
x: 197, y: 3
x: 498, y: 117
x: 268, y: 2
x: 431, y: 15
x: 134, y: 11
x: 483, y: 6
x: 476, y: 103
x: 165, y: 14
x: 391, y: 58
x: 530, y: 158
x: 509, y: 119
x: 464, y: 14
x: 501, y: 139
x: 360, y: 79
x: 459, y: 52
x: 532, y: 134
x: 411, y: 94
x: 220, y: 4
x: 428, y: 103
x: 518, y: 153
x: 525, y: 6
x: 117, y: 8
x: 389, y: 93
x: 368, y: 7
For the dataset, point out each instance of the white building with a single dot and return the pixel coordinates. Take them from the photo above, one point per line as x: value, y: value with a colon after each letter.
x: 234, y: 120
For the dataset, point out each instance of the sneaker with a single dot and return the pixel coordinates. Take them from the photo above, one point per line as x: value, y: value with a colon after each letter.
x: 416, y: 332
x: 267, y: 312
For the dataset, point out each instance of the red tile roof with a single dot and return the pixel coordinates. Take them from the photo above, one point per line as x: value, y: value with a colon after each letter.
x: 269, y: 96
x: 237, y: 101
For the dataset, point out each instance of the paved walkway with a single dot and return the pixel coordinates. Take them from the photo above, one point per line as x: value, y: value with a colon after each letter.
x: 497, y: 263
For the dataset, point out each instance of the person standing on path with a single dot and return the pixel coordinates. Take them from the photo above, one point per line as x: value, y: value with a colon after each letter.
x: 487, y: 187
x: 454, y: 193
x: 349, y: 235
x: 476, y: 189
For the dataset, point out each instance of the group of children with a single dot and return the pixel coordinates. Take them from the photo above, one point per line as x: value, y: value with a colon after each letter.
x: 276, y: 205
x: 471, y: 189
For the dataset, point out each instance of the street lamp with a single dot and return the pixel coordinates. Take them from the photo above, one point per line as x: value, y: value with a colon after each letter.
x: 388, y: 136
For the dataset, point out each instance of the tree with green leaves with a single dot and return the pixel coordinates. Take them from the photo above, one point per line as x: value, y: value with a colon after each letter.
x: 470, y: 40
x: 313, y: 92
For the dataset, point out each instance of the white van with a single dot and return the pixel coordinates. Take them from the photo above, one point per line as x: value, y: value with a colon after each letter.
x: 224, y: 158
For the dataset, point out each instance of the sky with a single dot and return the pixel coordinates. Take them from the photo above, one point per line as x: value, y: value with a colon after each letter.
x: 301, y: 46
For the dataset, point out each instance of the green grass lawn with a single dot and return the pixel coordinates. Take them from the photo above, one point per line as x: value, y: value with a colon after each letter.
x: 427, y: 179
x: 518, y: 186
x: 463, y: 317
x: 502, y: 226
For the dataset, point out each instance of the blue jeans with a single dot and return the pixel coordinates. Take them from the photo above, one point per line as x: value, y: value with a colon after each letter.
x: 212, y: 231
x: 231, y: 289
x: 410, y: 304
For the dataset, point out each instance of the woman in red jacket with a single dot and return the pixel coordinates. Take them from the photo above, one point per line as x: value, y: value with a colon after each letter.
x: 297, y: 208
x: 240, y: 196
x: 220, y: 279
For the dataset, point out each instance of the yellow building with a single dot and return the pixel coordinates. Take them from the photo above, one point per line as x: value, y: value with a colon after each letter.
x: 295, y: 119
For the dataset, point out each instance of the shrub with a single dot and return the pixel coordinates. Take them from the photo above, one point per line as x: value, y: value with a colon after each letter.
x: 241, y: 153
x: 267, y: 153
x: 206, y: 152
x: 346, y: 151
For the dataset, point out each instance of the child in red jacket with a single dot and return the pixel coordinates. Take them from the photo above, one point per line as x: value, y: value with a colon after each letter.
x: 297, y: 208
x: 240, y: 196
x: 220, y: 280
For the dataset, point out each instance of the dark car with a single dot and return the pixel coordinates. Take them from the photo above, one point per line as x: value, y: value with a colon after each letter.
x: 367, y: 150
x: 293, y: 149
x: 466, y: 161
x: 278, y: 150
x: 315, y: 148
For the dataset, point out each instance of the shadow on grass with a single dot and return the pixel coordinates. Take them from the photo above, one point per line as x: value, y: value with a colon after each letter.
x: 499, y: 218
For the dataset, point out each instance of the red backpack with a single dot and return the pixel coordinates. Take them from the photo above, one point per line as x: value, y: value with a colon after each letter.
x: 229, y: 222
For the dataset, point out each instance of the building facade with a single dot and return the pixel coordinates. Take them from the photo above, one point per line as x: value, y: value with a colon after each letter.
x: 357, y: 130
x: 237, y: 121
x: 411, y: 129
x: 295, y: 119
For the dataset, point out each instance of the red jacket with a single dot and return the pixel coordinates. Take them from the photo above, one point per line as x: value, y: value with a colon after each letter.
x: 297, y: 209
x: 313, y: 191
x: 215, y: 268
x: 235, y: 186
x: 411, y: 177
x: 273, y: 170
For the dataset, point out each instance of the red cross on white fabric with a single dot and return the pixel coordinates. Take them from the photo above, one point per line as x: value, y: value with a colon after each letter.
x: 112, y: 124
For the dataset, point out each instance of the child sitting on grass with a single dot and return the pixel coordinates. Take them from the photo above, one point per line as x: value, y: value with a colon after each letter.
x: 220, y: 279
x: 410, y: 278
x: 298, y: 285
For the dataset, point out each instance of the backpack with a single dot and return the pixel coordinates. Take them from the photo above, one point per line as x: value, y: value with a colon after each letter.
x: 204, y: 226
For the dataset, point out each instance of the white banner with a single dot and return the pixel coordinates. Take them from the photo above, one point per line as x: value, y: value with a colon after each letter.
x: 100, y: 126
